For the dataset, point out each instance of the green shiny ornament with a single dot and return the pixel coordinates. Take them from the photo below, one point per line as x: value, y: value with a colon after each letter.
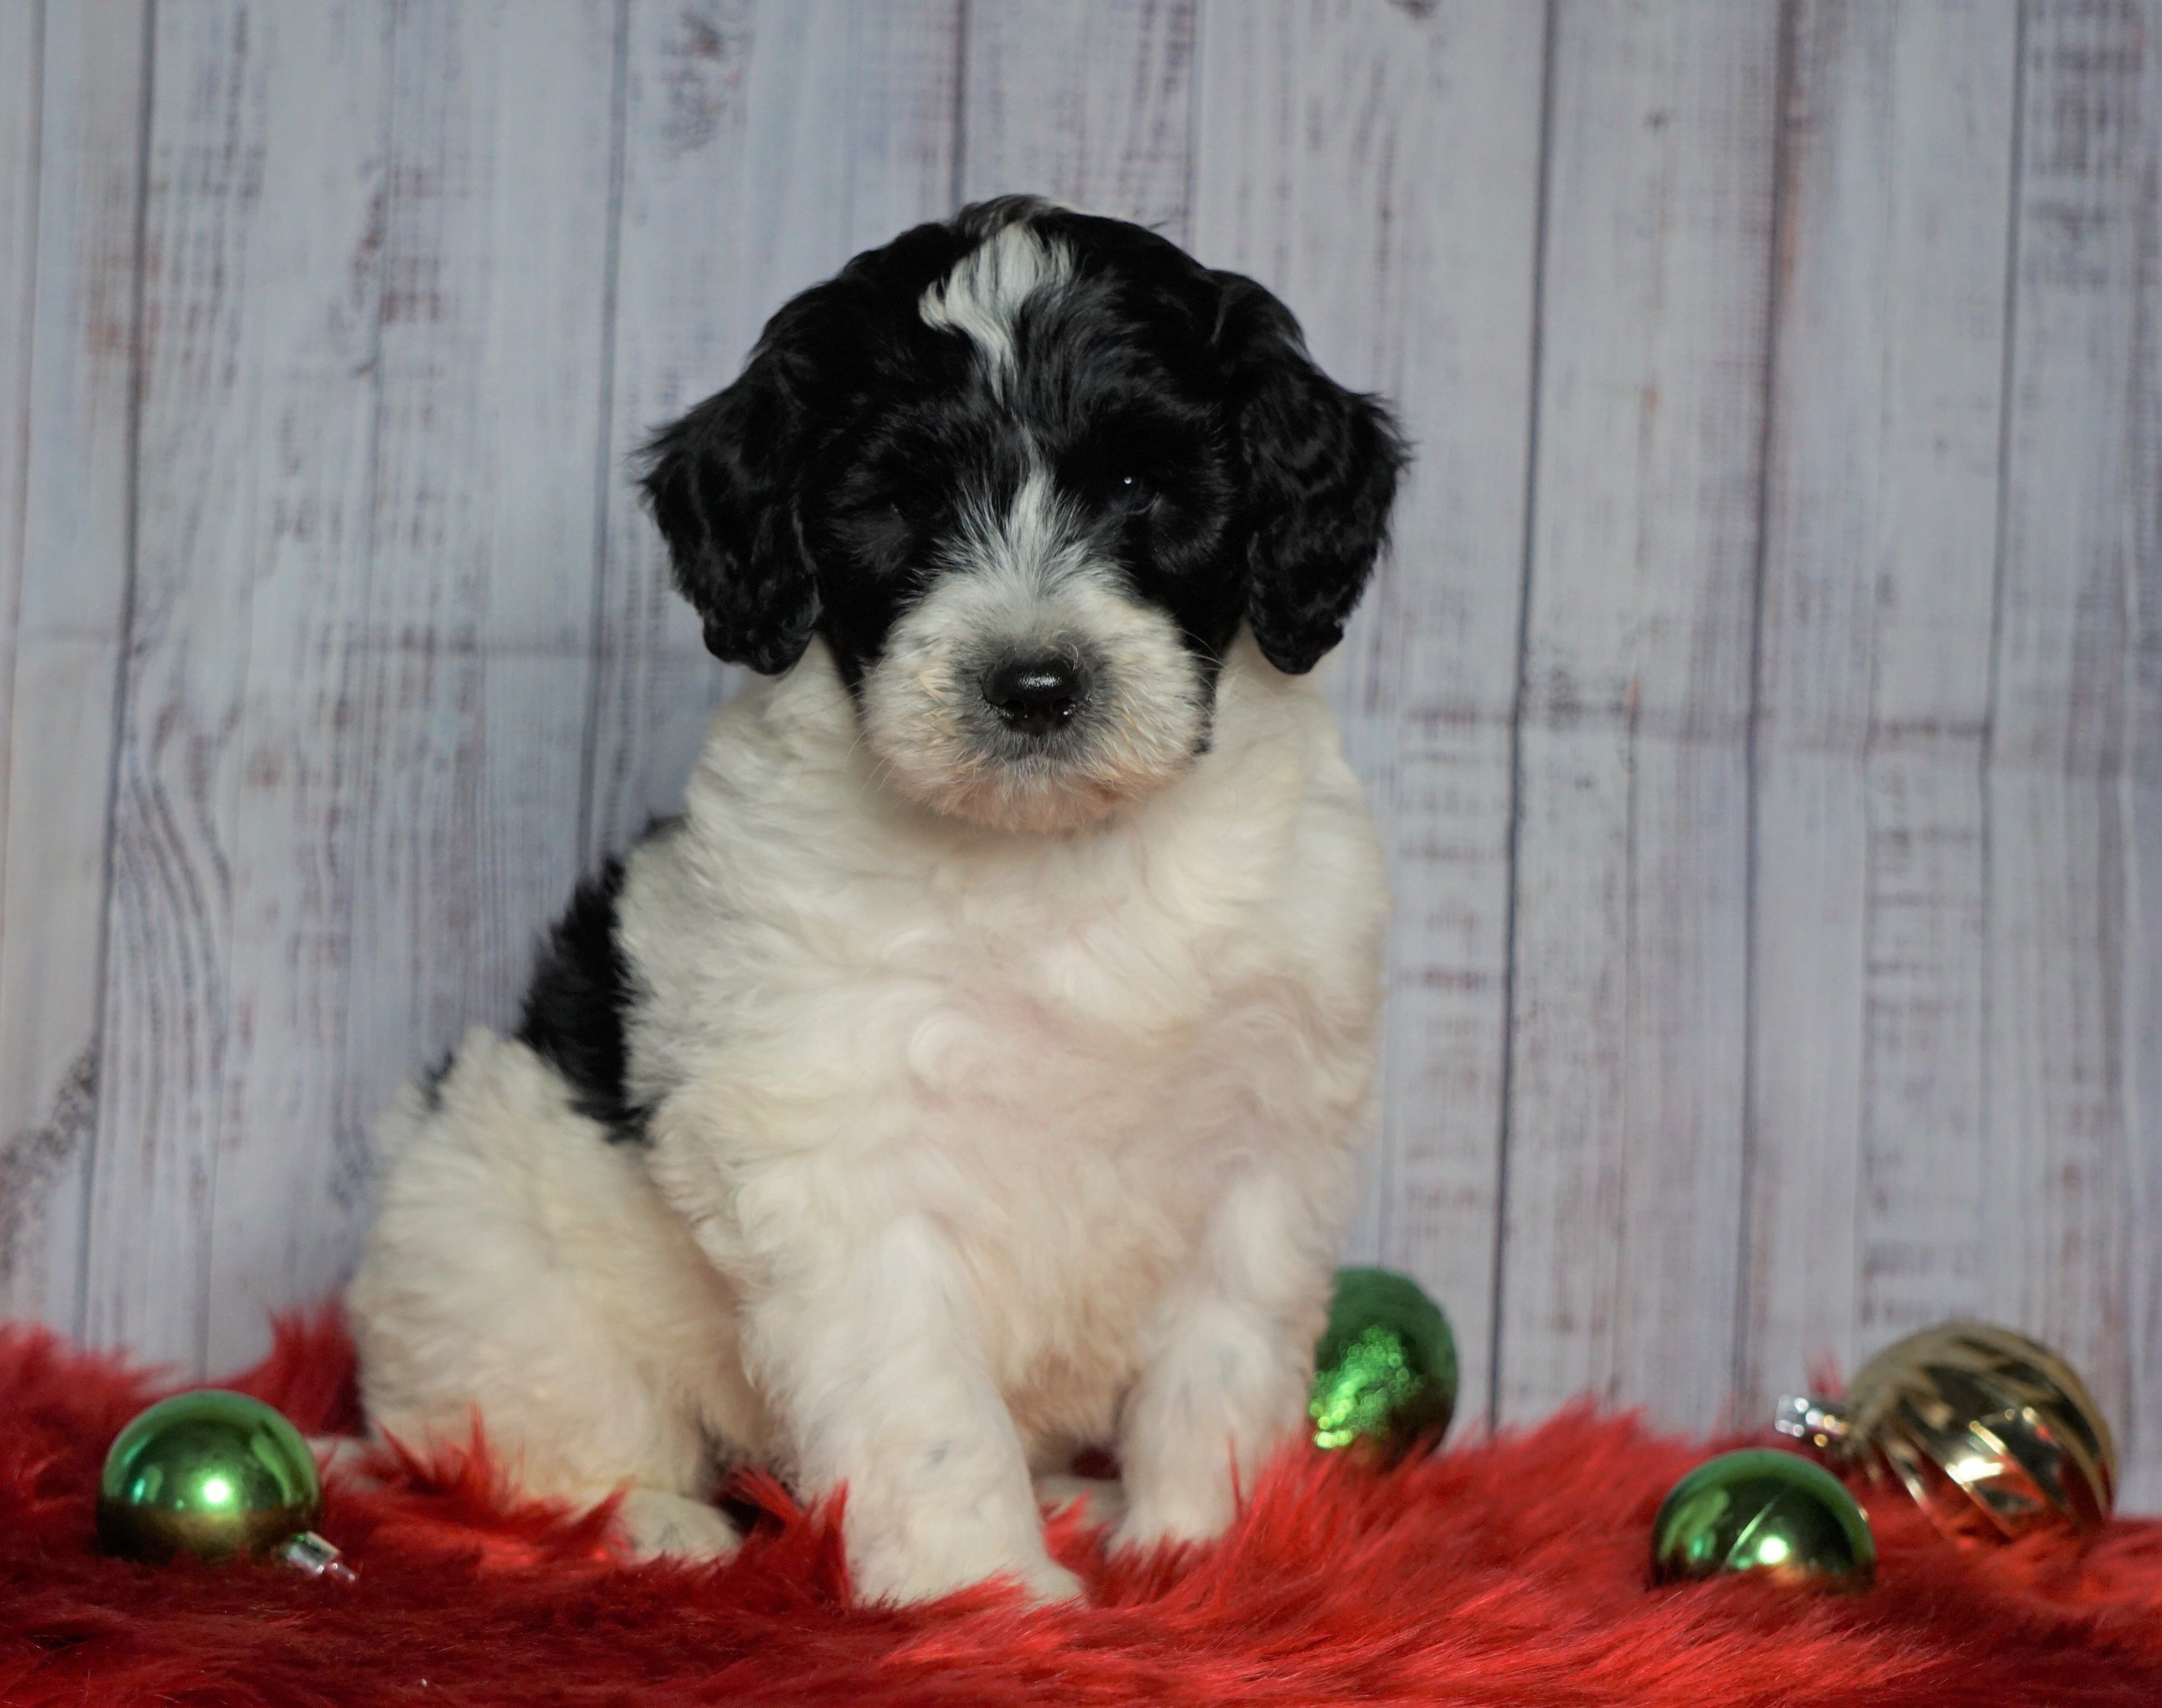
x: 1761, y: 1510
x: 212, y: 1474
x: 1385, y: 1370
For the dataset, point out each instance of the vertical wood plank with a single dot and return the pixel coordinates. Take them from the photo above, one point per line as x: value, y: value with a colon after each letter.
x: 376, y: 708
x: 1316, y: 124
x: 22, y: 76
x: 763, y: 145
x: 29, y: 1164
x: 76, y: 96
x: 2142, y: 1491
x: 1628, y: 1039
x: 2084, y: 482
x: 2142, y: 937
x: 264, y: 177
x: 1088, y: 101
x: 415, y: 724
x: 1864, y: 1215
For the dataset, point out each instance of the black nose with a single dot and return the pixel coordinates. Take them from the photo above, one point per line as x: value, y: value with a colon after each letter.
x: 1035, y: 696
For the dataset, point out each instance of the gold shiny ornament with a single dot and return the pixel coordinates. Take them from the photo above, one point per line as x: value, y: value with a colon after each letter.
x: 1990, y: 1433
x: 213, y: 1474
x: 1759, y: 1509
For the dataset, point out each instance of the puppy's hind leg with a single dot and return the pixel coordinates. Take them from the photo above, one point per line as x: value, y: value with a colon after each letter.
x: 652, y: 1524
x: 524, y: 1276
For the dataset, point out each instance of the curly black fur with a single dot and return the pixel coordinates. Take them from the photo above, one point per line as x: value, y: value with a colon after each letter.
x: 576, y: 1005
x: 814, y: 494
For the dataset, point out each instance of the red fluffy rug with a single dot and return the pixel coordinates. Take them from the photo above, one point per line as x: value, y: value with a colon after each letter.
x: 1509, y: 1571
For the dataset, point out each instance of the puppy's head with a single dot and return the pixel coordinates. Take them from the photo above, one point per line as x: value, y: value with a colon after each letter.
x: 1026, y: 473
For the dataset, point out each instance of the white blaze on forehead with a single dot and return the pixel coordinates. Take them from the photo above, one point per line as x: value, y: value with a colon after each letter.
x: 1031, y: 544
x: 983, y: 294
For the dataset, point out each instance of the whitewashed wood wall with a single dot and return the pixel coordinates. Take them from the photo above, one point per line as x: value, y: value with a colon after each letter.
x: 1764, y: 708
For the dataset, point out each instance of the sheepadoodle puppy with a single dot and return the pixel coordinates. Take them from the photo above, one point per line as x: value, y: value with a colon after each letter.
x: 976, y: 1071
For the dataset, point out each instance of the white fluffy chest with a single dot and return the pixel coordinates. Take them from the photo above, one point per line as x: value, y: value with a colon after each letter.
x: 1059, y: 1053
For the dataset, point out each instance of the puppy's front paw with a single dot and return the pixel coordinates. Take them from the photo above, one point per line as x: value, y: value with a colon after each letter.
x: 655, y: 1524
x: 900, y: 1581
x: 1047, y: 1582
x: 1147, y: 1522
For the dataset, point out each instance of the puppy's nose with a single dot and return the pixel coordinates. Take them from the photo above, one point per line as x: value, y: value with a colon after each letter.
x: 1035, y: 696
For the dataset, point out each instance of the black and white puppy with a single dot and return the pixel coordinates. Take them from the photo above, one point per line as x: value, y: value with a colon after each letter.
x: 976, y: 1071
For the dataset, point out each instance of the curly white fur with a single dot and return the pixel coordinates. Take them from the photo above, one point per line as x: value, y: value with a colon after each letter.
x: 968, y: 1147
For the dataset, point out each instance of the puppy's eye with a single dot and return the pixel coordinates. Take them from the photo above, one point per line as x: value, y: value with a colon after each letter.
x: 1131, y: 492
x: 880, y: 529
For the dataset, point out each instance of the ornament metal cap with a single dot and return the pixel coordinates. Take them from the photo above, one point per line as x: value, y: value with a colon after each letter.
x: 1808, y: 1419
x: 310, y: 1553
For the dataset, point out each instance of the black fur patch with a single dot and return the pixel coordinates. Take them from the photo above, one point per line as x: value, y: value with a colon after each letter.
x: 431, y: 1081
x: 1178, y: 408
x: 577, y: 1004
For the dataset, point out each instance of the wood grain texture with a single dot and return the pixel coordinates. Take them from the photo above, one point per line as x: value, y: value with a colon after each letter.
x: 1823, y: 995
x: 2143, y: 790
x: 1628, y: 1040
x: 1873, y: 684
x: 2143, y: 793
x: 1090, y: 102
x: 764, y: 145
x: 417, y: 715
x: 2071, y: 1178
x: 29, y: 1162
x: 1316, y: 128
x: 253, y: 433
x: 73, y: 156
x: 21, y: 78
x: 357, y: 686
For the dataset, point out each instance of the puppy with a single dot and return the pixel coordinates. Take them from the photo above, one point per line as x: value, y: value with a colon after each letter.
x: 975, y: 1071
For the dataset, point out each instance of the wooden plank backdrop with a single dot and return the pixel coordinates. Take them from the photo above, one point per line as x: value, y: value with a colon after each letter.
x: 1762, y: 708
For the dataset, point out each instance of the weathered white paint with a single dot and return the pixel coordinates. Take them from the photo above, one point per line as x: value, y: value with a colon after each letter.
x: 763, y: 145
x: 1314, y: 127
x: 449, y: 669
x: 1866, y: 1045
x: 2071, y: 1188
x: 1090, y: 102
x: 1628, y: 1041
x: 251, y: 508
x: 1777, y: 829
x: 68, y: 320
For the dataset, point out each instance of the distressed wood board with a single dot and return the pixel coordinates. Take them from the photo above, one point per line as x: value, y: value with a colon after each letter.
x: 1763, y: 707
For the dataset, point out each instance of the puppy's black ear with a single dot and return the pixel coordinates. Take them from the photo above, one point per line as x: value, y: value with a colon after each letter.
x: 1320, y: 465
x: 721, y: 484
